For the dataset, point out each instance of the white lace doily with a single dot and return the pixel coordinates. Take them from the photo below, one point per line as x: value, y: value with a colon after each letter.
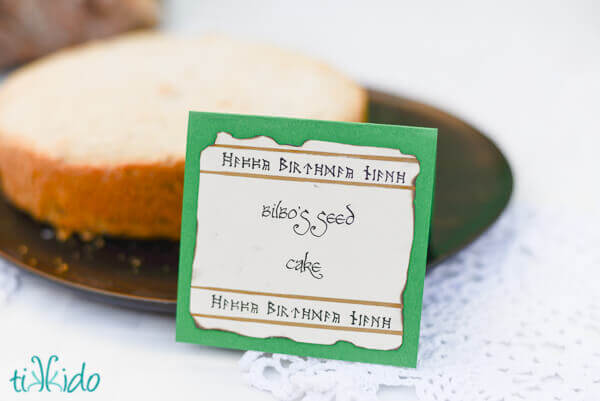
x: 516, y: 316
x: 8, y: 280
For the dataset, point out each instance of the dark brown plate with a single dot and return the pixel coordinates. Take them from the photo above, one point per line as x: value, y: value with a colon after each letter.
x: 473, y: 186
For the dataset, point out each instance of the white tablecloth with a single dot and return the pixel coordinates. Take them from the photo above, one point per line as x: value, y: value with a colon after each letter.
x: 527, y: 74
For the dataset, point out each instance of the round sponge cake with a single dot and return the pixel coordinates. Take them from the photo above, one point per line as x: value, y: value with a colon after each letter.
x: 92, y: 139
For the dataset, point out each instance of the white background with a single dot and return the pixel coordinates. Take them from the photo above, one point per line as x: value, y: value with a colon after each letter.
x: 527, y: 73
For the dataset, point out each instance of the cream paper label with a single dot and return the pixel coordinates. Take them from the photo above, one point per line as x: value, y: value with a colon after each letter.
x: 291, y: 240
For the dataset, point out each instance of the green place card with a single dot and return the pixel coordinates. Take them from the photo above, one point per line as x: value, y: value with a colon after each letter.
x: 305, y: 237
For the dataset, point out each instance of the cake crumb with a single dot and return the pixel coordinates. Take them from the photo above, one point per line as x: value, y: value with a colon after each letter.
x: 86, y: 236
x: 135, y: 262
x: 99, y: 242
x: 22, y: 249
x: 62, y: 268
x: 63, y: 234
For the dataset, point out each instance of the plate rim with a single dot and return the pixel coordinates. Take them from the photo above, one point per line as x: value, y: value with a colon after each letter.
x: 389, y: 98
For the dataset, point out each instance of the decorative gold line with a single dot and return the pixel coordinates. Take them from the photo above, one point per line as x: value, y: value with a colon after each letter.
x: 305, y: 297
x: 297, y: 324
x: 315, y: 152
x: 298, y: 179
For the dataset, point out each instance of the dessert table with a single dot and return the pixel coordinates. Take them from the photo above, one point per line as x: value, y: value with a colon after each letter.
x: 516, y: 315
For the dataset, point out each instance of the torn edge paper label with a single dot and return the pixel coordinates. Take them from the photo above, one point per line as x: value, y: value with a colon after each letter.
x: 310, y: 243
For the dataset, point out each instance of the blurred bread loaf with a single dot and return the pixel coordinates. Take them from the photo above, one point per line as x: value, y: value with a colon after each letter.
x: 92, y: 139
x: 31, y: 28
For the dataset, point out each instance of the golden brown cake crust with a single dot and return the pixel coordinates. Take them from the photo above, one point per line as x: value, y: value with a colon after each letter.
x: 137, y: 200
x: 106, y: 155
